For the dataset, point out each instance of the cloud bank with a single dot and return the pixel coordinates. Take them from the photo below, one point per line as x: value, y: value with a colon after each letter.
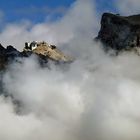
x: 128, y: 7
x: 94, y: 98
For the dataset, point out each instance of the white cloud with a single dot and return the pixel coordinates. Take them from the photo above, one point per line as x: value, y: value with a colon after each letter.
x: 128, y: 7
x: 96, y: 97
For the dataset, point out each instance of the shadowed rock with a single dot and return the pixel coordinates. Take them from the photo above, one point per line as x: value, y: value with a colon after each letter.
x: 120, y: 32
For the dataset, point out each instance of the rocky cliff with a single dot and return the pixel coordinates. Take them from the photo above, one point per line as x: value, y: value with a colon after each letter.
x: 120, y: 32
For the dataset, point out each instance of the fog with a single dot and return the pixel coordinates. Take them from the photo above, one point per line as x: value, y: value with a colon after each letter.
x: 94, y: 98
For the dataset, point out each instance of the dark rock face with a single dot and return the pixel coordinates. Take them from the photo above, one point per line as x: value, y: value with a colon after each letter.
x: 11, y: 51
x: 9, y: 54
x: 119, y: 32
x: 3, y: 57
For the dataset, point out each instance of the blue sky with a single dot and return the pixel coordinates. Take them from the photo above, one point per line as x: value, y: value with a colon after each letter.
x: 40, y: 10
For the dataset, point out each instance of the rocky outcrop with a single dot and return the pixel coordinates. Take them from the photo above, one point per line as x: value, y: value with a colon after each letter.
x: 48, y: 50
x: 43, y: 51
x: 119, y: 32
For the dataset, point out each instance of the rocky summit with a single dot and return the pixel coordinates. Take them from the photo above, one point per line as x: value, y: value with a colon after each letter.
x: 42, y: 50
x: 120, y: 32
x: 48, y: 50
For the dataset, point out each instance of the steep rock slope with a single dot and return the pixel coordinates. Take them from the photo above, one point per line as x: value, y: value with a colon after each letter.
x: 119, y: 32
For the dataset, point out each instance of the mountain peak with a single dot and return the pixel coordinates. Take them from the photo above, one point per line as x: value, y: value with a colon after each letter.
x: 42, y: 50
